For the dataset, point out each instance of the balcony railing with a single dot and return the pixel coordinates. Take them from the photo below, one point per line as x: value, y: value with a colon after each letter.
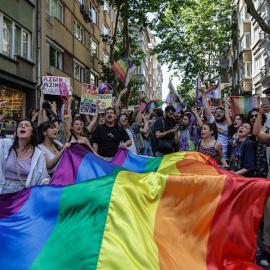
x: 264, y: 71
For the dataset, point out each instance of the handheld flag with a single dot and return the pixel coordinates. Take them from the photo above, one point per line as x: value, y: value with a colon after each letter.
x: 198, y: 91
x: 214, y: 91
x: 124, y: 69
x: 242, y: 104
x: 173, y: 98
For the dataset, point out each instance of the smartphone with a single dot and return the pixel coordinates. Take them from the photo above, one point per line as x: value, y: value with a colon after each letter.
x: 266, y: 100
x: 180, y: 128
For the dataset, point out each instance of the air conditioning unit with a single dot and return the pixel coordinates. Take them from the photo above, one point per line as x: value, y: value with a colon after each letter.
x: 83, y: 9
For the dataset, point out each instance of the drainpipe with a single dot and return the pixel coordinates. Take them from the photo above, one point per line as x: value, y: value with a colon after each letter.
x: 38, y: 42
x: 267, y: 18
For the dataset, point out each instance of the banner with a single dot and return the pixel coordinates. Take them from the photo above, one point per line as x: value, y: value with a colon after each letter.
x: 88, y: 99
x: 105, y: 101
x: 51, y: 85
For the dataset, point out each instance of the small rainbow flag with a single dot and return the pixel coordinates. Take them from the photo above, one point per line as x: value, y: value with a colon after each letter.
x: 124, y: 69
x: 242, y: 104
x: 174, y: 212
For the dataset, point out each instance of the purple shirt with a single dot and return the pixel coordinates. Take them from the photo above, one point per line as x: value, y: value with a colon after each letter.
x: 23, y: 165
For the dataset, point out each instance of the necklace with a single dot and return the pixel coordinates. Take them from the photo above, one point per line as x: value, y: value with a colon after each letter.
x: 53, y: 148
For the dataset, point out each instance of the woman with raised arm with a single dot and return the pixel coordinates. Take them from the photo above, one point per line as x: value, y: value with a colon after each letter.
x: 52, y: 148
x: 74, y: 130
x: 22, y: 163
x: 188, y: 137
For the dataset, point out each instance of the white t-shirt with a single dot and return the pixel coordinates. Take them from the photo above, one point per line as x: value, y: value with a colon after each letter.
x: 223, y: 135
x: 50, y: 155
x: 131, y: 148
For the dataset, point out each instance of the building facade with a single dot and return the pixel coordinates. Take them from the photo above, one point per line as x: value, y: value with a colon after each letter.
x: 59, y: 38
x: 249, y: 53
x: 18, y: 58
x: 149, y: 72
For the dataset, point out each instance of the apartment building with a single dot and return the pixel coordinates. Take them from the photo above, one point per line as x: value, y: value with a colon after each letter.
x: 249, y: 53
x: 18, y: 68
x: 149, y: 72
x: 71, y: 43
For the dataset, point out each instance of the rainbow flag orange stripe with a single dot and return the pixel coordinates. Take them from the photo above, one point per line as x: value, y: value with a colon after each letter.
x: 185, y: 214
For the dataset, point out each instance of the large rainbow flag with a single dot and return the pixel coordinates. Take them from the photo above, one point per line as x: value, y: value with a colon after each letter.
x: 176, y: 212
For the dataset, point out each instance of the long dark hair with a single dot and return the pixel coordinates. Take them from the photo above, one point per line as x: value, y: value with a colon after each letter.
x: 212, y: 127
x: 42, y: 128
x: 33, y: 140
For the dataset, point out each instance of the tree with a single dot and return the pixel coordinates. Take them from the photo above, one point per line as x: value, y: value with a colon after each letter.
x: 253, y: 12
x: 131, y: 17
x: 194, y: 34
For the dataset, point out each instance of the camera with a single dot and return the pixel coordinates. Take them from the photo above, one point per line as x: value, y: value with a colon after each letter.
x: 46, y: 105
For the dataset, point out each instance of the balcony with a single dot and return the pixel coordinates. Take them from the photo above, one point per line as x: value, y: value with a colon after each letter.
x: 246, y: 84
x: 265, y: 76
x: 245, y: 27
x: 264, y: 40
x: 261, y: 6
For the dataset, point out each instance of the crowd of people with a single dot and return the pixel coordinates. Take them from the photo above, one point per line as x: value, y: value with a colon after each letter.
x: 239, y: 143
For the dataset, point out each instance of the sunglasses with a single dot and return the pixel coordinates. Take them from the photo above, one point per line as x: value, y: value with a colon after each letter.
x: 253, y: 115
x: 123, y: 118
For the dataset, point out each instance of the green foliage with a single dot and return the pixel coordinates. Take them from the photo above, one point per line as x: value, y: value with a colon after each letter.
x: 131, y: 18
x: 194, y: 34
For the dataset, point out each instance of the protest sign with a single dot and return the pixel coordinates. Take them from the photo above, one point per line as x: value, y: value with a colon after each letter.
x: 88, y: 99
x: 51, y: 84
x: 105, y: 101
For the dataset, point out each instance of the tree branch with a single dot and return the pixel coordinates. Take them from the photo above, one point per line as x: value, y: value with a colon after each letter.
x: 257, y: 17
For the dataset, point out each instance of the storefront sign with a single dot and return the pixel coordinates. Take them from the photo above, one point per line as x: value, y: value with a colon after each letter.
x: 88, y: 99
x: 51, y: 84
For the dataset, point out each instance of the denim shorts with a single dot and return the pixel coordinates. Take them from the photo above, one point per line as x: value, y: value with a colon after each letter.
x: 10, y: 187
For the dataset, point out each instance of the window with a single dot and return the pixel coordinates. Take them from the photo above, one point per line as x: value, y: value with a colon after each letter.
x: 15, y: 39
x: 7, y: 37
x: 105, y: 30
x: 55, y: 9
x: 106, y: 6
x: 55, y: 58
x: 248, y: 40
x: 94, y: 15
x: 81, y: 2
x: 78, y: 31
x: 78, y: 71
x: 93, y: 48
x: 93, y: 78
x: 248, y: 69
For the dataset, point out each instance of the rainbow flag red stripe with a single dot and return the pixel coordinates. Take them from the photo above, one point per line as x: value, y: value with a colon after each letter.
x: 178, y: 212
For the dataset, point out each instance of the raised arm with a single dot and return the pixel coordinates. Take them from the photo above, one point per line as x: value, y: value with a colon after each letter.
x: 264, y: 137
x: 42, y: 117
x: 92, y: 123
x: 207, y: 110
x: 118, y: 101
x: 67, y: 122
x: 198, y: 118
x: 227, y: 111
x: 137, y: 115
